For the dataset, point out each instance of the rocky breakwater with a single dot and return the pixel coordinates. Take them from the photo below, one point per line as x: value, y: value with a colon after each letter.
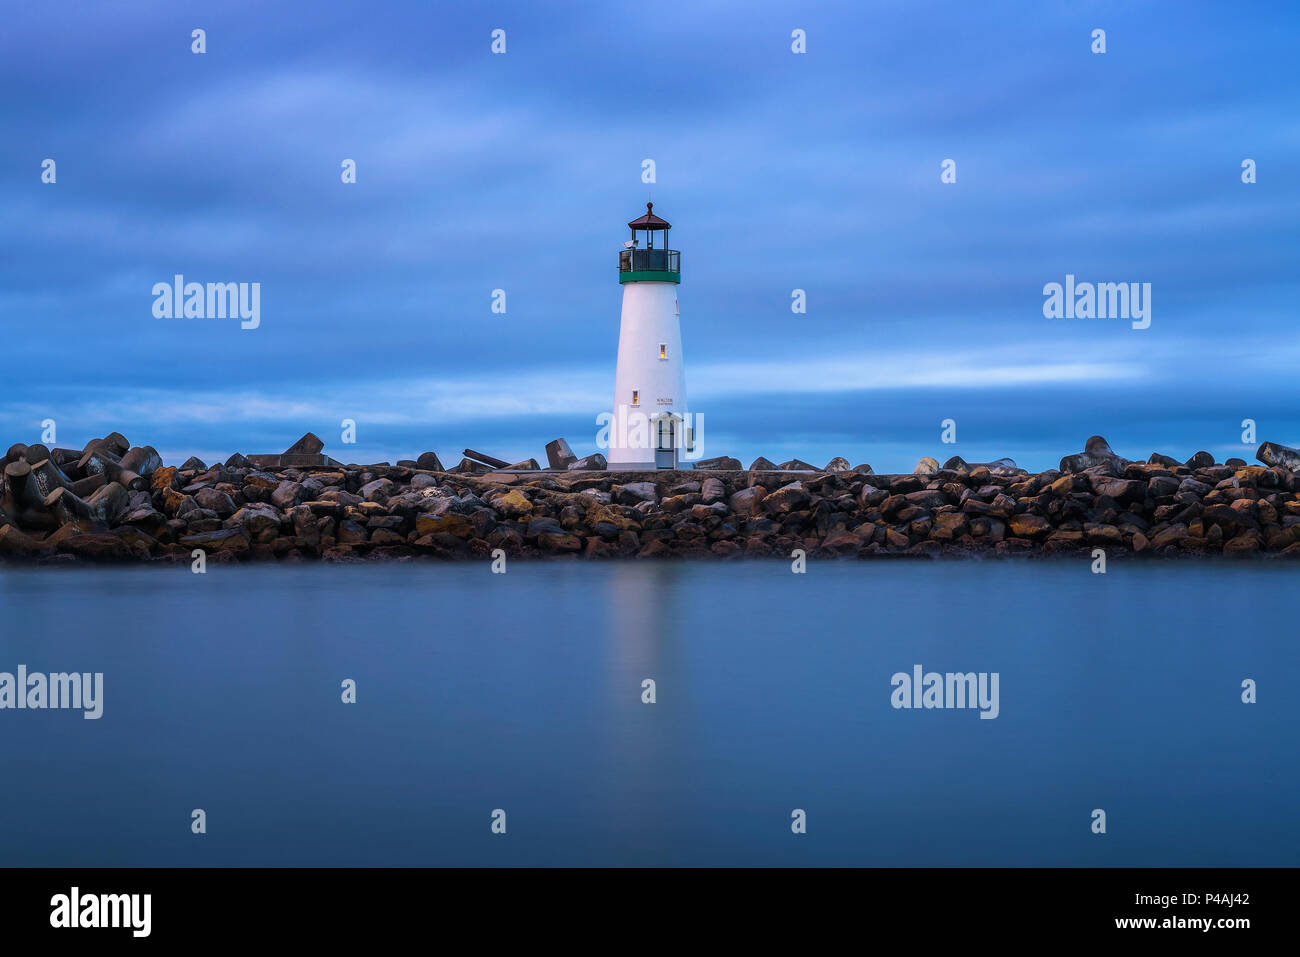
x: 114, y: 502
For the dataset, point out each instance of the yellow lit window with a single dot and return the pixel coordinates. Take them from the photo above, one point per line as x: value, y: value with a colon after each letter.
x: 635, y: 394
x: 663, y: 350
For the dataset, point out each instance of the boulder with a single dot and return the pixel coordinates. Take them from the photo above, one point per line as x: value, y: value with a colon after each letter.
x: 712, y: 490
x: 217, y: 501
x: 193, y: 464
x: 141, y: 460
x: 469, y: 467
x: 527, y: 465
x: 429, y: 462
x: 309, y: 444
x: 237, y: 461
x: 513, y: 504
x: 720, y: 463
x: 1279, y: 456
x: 635, y: 492
x: 219, y: 540
x: 111, y: 500
x: 286, y: 495
x: 786, y: 499
x: 559, y: 455
x: 926, y: 466
x: 761, y: 464
x: 14, y: 542
x: 261, y: 521
x: 747, y: 501
x: 1200, y: 460
x: 593, y: 463
x: 98, y: 547
x: 837, y: 464
x: 1029, y: 526
x: 1096, y: 451
x: 796, y: 465
x: 379, y: 489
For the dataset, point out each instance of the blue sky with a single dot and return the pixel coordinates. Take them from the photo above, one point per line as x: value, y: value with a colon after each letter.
x: 779, y: 171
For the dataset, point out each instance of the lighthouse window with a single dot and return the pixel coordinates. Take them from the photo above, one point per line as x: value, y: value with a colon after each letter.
x: 635, y: 395
x: 663, y: 350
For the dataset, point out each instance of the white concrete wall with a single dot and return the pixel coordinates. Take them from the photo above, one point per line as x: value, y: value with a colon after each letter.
x: 649, y: 318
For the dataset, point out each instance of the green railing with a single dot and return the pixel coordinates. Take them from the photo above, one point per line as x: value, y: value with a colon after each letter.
x: 649, y: 260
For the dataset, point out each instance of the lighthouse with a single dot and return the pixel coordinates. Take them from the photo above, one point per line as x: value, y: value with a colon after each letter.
x: 651, y: 427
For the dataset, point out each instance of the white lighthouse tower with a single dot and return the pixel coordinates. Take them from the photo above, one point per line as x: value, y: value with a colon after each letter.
x: 651, y: 425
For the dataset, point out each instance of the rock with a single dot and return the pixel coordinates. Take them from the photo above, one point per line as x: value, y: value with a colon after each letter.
x: 956, y: 464
x: 747, y: 501
x: 1105, y: 535
x: 926, y: 466
x: 193, y: 464
x: 262, y: 522
x: 1200, y: 460
x: 237, y: 461
x: 761, y: 464
x: 527, y: 465
x: 286, y: 495
x: 712, y: 490
x: 117, y: 442
x: 722, y: 462
x: 1171, y: 535
x: 635, y: 492
x: 98, y: 547
x: 469, y: 467
x: 379, y: 489
x: 164, y: 477
x: 1244, y: 544
x: 1235, y: 463
x: 1119, y: 489
x: 219, y: 540
x: 797, y: 465
x: 351, y: 533
x: 449, y: 523
x: 559, y: 542
x: 1279, y: 456
x: 111, y: 499
x: 948, y: 526
x: 837, y: 464
x: 1096, y: 451
x: 788, y: 498
x: 863, y: 469
x: 309, y: 444
x: 1167, y: 461
x: 219, y: 502
x: 513, y: 504
x: 1028, y: 526
x: 429, y: 462
x: 141, y: 460
x: 14, y: 543
x: 559, y: 455
x: 594, y: 463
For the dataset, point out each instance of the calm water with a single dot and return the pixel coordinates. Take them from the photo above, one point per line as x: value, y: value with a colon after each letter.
x: 523, y: 692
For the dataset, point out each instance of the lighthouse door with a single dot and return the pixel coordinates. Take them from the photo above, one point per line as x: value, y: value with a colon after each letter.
x: 666, y: 444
